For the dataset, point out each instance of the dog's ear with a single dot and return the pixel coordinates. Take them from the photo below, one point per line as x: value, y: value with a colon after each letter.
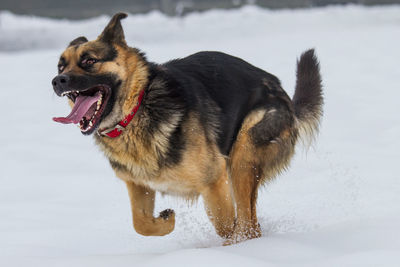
x: 78, y: 41
x: 113, y: 32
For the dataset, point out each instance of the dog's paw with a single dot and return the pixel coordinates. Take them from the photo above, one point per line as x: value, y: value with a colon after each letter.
x: 167, y: 214
x: 241, y: 234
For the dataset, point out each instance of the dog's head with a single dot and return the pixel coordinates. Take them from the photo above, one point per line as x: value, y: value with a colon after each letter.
x: 101, y: 78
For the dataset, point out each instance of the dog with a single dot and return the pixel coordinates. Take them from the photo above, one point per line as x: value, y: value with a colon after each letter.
x: 209, y: 125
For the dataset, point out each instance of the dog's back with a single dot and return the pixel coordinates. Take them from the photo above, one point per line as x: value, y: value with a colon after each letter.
x: 230, y: 88
x: 225, y: 88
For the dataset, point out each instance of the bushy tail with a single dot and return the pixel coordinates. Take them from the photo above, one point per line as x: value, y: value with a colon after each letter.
x: 308, y: 98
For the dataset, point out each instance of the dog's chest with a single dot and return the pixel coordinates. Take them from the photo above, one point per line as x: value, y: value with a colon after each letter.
x: 133, y: 163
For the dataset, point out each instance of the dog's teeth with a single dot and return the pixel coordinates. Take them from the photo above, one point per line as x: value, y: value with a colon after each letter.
x: 98, y: 104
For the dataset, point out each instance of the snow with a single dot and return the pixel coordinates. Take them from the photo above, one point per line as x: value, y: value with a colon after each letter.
x: 338, y: 205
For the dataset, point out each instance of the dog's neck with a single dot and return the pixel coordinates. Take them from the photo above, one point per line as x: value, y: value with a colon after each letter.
x: 131, y: 89
x: 118, y: 129
x: 136, y: 82
x: 160, y: 113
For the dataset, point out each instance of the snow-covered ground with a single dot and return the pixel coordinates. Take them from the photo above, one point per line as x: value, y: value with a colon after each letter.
x: 338, y: 205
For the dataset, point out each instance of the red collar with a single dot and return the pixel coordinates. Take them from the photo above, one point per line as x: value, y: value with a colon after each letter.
x: 118, y: 129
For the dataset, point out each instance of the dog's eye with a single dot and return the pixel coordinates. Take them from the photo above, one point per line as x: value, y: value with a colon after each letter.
x: 88, y: 61
x: 61, y: 68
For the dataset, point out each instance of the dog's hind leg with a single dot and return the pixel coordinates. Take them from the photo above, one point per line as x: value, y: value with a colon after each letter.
x: 244, y: 185
x: 263, y: 147
x: 219, y: 203
x: 244, y: 170
x: 142, y: 204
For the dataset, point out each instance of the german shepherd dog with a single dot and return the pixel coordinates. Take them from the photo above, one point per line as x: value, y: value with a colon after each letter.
x: 209, y: 124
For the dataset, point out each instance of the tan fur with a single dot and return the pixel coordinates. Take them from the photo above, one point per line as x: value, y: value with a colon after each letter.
x: 219, y: 204
x: 249, y: 167
x: 202, y: 171
x: 142, y: 203
x: 228, y: 185
x: 187, y: 179
x: 133, y: 72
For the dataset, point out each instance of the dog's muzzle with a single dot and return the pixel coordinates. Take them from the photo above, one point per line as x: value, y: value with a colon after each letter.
x: 60, y: 84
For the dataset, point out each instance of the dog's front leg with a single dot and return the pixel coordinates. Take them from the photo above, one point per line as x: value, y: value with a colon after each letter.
x: 142, y: 204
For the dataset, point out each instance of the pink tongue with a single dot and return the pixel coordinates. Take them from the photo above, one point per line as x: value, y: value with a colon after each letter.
x: 82, y: 105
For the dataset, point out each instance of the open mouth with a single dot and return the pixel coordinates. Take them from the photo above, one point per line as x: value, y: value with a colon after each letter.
x: 88, y: 107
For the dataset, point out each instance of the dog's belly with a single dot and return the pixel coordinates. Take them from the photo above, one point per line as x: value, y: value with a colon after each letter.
x: 172, y: 188
x: 185, y: 180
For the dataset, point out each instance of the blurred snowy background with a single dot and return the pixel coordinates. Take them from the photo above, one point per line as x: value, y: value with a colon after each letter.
x: 338, y: 205
x: 75, y: 9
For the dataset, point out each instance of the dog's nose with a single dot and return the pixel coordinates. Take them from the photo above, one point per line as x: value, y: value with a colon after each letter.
x: 60, y: 83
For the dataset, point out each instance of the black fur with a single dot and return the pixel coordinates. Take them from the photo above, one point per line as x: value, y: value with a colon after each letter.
x: 83, y: 82
x: 110, y: 54
x: 165, y: 214
x: 78, y: 41
x: 118, y: 166
x: 164, y: 99
x: 308, y: 97
x: 113, y: 32
x: 271, y: 126
x: 220, y: 88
